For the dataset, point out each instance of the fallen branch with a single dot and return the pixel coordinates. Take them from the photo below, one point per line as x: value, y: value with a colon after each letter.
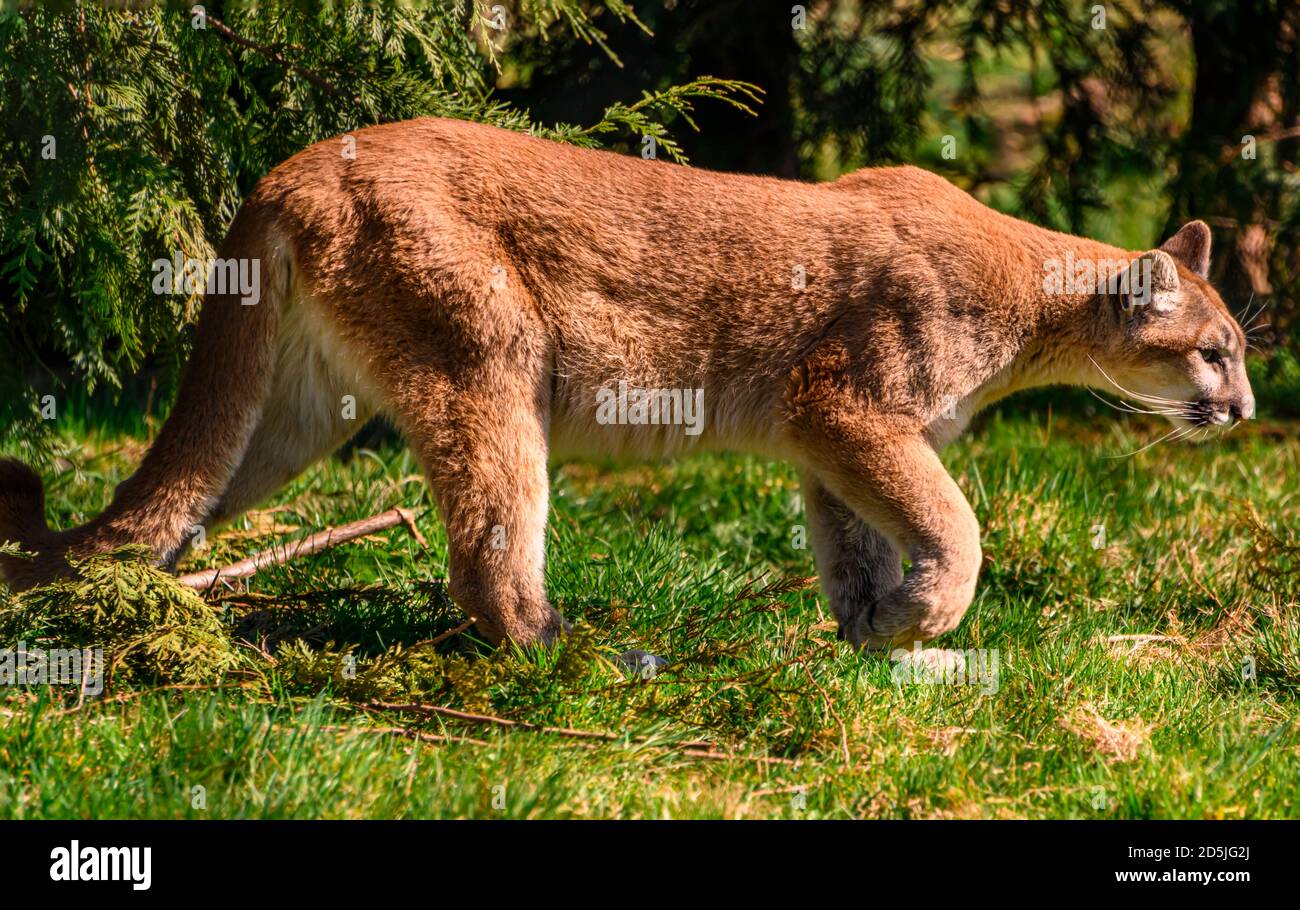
x: 438, y: 739
x: 727, y: 756
x: 434, y: 738
x: 283, y: 553
x: 691, y: 749
x: 516, y: 724
x: 437, y: 640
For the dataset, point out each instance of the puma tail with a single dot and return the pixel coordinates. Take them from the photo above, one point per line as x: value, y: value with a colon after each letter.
x: 200, y: 445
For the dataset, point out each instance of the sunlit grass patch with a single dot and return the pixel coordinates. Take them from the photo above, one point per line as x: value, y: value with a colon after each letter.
x: 1143, y: 612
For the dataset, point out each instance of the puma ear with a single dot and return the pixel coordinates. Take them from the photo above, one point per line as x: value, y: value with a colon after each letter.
x: 1191, y: 247
x: 1151, y: 281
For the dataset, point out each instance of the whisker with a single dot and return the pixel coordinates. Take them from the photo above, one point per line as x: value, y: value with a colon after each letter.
x: 1244, y: 317
x: 1248, y: 316
x: 1128, y: 407
x: 1151, y: 444
x: 1149, y: 399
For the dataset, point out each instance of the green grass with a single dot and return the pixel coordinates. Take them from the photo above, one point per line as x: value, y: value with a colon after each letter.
x: 695, y: 561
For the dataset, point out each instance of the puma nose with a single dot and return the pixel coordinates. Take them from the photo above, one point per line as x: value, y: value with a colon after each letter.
x: 1245, y: 410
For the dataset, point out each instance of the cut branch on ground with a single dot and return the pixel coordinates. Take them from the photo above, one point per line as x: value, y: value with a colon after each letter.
x: 286, y: 552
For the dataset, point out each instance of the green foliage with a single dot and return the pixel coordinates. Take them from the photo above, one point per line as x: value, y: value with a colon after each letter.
x: 151, y: 628
x: 542, y: 15
x: 420, y: 673
x: 399, y: 673
x: 637, y: 118
x: 8, y: 548
x: 155, y: 631
x: 1276, y: 382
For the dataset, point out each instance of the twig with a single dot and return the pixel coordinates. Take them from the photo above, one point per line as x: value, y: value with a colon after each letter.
x: 1136, y: 643
x: 122, y: 697
x: 435, y: 738
x: 727, y: 756
x: 519, y: 724
x: 1280, y: 134
x: 283, y: 553
x: 439, y: 639
x: 439, y: 739
x: 692, y: 749
x: 273, y: 54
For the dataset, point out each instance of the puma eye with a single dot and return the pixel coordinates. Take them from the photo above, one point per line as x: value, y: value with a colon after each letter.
x: 1211, y: 355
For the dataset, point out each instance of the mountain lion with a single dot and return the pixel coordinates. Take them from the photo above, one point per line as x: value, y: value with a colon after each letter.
x: 488, y: 290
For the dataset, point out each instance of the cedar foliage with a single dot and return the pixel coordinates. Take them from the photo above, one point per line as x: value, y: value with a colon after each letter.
x: 150, y: 626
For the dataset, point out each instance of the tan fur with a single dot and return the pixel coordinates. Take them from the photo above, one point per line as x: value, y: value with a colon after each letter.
x: 481, y: 286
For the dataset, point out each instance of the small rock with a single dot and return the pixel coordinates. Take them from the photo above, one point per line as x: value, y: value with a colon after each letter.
x: 639, y: 663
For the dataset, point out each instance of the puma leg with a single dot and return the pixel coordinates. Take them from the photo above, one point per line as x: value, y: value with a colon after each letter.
x: 855, y: 563
x: 464, y: 362
x: 303, y: 420
x: 492, y: 490
x: 888, y: 473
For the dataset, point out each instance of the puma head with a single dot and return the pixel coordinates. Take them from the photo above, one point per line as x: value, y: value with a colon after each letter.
x: 1173, y: 348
